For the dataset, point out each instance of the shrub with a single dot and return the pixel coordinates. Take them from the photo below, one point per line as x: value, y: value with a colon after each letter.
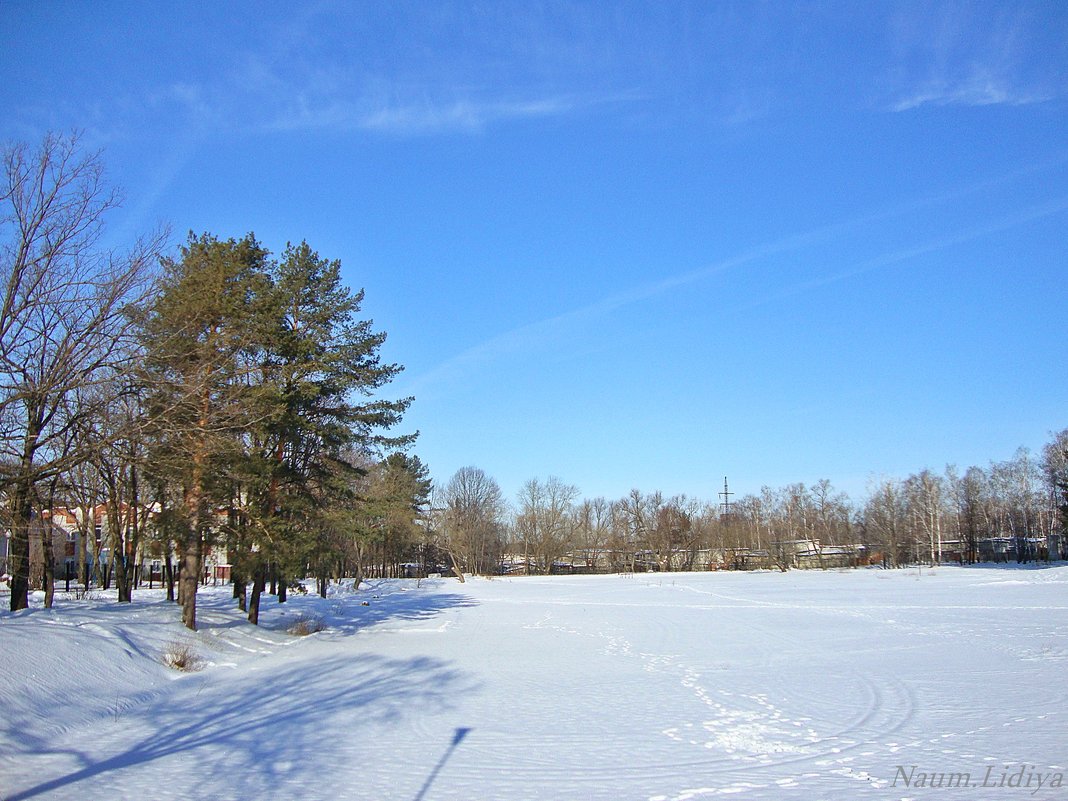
x: 305, y: 625
x: 181, y: 656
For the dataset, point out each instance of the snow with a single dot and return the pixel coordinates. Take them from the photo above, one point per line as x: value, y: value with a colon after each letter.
x: 803, y: 685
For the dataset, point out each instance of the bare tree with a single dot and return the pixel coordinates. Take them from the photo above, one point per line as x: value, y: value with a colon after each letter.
x: 1020, y: 502
x: 884, y: 519
x: 925, y: 496
x: 84, y: 493
x: 832, y: 511
x: 1055, y: 466
x: 473, y: 521
x: 119, y: 462
x: 971, y: 508
x: 673, y: 532
x: 545, y: 522
x: 593, y: 528
x: 64, y: 319
x: 632, y: 521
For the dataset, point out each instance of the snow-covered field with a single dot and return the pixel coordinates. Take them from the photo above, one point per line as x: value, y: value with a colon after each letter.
x: 805, y: 685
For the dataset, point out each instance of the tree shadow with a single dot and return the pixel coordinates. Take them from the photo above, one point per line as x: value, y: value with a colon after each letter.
x: 250, y: 725
x: 256, y: 727
x: 374, y: 604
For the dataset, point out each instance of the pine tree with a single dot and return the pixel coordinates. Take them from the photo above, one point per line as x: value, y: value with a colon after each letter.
x: 321, y: 367
x: 261, y: 376
x: 198, y: 334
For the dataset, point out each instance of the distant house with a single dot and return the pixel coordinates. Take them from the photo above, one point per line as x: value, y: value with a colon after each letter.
x: 811, y: 554
x: 57, y: 530
x: 1018, y: 549
x: 828, y: 556
x: 748, y: 559
x: 66, y: 537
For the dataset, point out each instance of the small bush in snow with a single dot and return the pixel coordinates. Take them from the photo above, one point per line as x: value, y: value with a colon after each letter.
x: 180, y: 656
x: 305, y: 625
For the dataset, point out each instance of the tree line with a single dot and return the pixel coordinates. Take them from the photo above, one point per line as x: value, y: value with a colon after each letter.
x: 1015, y: 510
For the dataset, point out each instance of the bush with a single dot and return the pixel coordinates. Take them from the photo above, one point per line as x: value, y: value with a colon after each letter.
x: 305, y: 625
x: 181, y: 656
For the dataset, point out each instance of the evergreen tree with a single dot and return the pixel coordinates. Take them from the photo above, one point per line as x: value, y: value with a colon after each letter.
x: 198, y: 334
x: 260, y: 379
x: 396, y: 501
x: 320, y: 367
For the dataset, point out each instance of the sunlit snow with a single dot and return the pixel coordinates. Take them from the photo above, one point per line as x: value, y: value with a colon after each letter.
x: 803, y: 685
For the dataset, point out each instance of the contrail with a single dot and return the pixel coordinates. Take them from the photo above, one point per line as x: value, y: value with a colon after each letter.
x: 522, y: 337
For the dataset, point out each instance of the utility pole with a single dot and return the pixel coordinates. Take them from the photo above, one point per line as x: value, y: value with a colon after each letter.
x: 726, y: 495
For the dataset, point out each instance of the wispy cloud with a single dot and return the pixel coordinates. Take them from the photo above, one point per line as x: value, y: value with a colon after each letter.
x: 561, y: 327
x: 890, y: 259
x: 979, y: 89
x: 959, y: 55
x: 421, y: 117
x: 537, y: 334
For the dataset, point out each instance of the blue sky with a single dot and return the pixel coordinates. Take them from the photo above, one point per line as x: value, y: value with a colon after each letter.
x: 630, y: 245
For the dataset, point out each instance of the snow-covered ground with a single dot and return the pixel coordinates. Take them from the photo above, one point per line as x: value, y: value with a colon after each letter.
x: 805, y: 685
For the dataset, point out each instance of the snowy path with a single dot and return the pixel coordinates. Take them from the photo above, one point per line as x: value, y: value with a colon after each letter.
x: 686, y: 686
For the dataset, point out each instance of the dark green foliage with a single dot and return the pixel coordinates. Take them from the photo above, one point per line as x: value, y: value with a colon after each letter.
x: 198, y: 336
x: 264, y: 379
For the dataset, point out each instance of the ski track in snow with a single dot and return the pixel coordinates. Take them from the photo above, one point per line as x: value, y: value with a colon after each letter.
x: 660, y: 687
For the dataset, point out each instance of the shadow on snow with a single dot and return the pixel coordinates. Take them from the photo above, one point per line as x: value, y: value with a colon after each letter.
x: 260, y: 727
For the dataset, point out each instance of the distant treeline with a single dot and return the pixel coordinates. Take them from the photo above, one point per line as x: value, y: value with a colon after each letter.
x: 1012, y: 510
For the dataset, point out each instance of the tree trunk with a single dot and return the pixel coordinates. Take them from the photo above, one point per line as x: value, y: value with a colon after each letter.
x: 240, y: 589
x: 190, y: 557
x: 98, y: 571
x: 168, y: 571
x: 19, y: 556
x: 83, y: 555
x: 48, y: 579
x: 119, y: 535
x: 122, y: 577
x: 235, y: 558
x: 133, y: 536
x: 259, y: 583
x: 359, y: 576
x: 456, y: 567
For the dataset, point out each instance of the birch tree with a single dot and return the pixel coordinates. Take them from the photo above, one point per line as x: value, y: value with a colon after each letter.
x: 925, y: 496
x: 885, y: 519
x: 1055, y: 466
x: 593, y: 527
